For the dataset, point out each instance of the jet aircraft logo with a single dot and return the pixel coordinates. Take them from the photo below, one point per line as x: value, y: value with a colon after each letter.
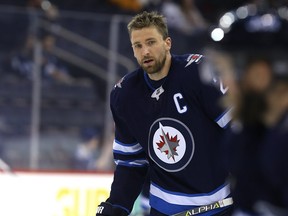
x: 171, y: 144
x: 167, y: 144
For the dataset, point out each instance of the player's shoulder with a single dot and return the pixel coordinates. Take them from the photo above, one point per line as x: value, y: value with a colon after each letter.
x: 127, y: 84
x: 188, y: 67
x: 197, y: 69
x: 129, y: 80
x: 188, y: 60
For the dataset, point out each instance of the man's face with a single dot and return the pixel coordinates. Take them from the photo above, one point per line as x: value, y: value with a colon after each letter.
x: 150, y: 49
x: 257, y: 76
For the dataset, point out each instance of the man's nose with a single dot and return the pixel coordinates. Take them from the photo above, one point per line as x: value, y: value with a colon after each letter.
x: 145, y: 50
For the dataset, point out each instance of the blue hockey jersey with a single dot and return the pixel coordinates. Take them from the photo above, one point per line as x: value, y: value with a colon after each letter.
x: 173, y: 126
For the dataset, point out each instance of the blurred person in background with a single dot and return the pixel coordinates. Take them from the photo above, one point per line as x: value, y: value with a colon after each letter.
x: 22, y: 61
x: 105, y: 160
x: 251, y: 54
x: 50, y: 10
x: 184, y: 16
x: 88, y: 150
x: 185, y: 21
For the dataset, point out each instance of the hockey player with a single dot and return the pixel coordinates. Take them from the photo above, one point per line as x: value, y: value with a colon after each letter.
x: 168, y: 119
x: 256, y: 41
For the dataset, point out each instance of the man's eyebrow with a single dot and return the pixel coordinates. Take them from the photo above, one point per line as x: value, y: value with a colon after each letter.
x: 152, y: 38
x: 148, y: 39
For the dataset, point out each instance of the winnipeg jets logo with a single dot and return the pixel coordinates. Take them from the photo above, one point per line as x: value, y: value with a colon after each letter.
x: 168, y: 144
x: 171, y: 144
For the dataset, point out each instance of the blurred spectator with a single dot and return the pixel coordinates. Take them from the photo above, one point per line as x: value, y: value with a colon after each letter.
x: 254, y: 61
x: 22, y: 61
x: 50, y: 10
x: 185, y: 21
x: 184, y: 16
x: 53, y: 67
x: 105, y: 160
x: 256, y: 146
x: 87, y: 151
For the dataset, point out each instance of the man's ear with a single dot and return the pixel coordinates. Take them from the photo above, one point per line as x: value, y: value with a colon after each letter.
x: 168, y: 42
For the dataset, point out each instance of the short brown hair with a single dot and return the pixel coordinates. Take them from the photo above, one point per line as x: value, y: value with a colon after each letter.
x: 148, y: 19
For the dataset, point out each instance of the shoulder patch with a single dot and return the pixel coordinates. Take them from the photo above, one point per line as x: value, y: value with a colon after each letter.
x: 119, y: 83
x: 193, y: 58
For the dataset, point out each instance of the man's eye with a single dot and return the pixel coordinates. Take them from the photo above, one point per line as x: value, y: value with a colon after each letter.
x: 150, y: 43
x: 137, y: 46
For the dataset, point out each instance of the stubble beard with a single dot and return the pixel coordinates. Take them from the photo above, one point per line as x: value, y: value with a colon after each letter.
x: 157, y: 67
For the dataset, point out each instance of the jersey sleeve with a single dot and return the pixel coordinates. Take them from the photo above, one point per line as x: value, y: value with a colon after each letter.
x: 209, y: 91
x: 131, y: 164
